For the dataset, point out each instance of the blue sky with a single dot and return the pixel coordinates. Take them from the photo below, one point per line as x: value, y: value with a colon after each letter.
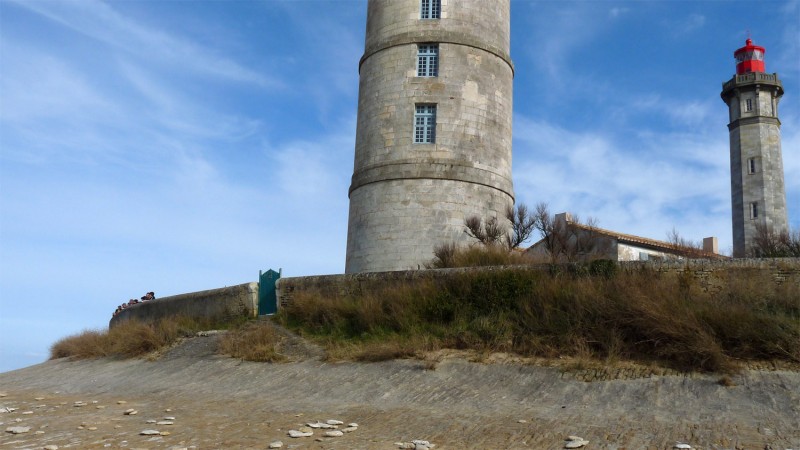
x: 185, y: 145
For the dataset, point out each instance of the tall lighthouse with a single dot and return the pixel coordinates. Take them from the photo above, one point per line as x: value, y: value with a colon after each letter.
x: 758, y: 194
x: 433, y: 137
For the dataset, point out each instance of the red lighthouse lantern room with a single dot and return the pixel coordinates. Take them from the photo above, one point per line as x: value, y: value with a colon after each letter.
x: 749, y: 58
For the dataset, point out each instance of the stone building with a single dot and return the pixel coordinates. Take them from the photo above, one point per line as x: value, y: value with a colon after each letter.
x: 758, y: 194
x: 433, y: 140
x: 573, y: 242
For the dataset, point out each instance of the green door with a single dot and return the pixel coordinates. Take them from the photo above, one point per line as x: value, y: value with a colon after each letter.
x: 267, y: 300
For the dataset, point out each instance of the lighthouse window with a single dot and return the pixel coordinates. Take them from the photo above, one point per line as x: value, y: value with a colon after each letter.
x: 754, y: 210
x: 752, y: 165
x: 428, y: 60
x: 430, y: 9
x: 748, y: 105
x: 425, y: 124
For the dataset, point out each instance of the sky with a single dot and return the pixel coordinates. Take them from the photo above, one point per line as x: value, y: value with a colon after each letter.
x: 180, y: 146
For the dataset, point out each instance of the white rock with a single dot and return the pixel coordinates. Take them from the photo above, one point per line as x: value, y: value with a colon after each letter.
x: 150, y: 432
x: 169, y: 418
x: 131, y: 412
x: 576, y: 443
x: 276, y: 444
x: 352, y: 424
x: 151, y: 421
x: 334, y: 422
x: 522, y: 421
x: 574, y: 438
x: 18, y: 430
x: 26, y: 413
x: 420, y: 442
x: 121, y: 402
x: 298, y: 434
x: 326, y: 426
x: 3, y: 394
x: 7, y: 409
x: 334, y: 433
x: 682, y: 446
x: 404, y: 444
x: 165, y: 422
x: 349, y: 429
x: 50, y: 447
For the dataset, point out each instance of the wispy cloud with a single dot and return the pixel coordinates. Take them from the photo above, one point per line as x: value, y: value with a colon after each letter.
x: 104, y: 23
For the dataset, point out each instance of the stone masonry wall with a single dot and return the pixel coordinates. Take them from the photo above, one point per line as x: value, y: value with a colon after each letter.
x: 709, y: 273
x: 407, y: 197
x: 215, y: 305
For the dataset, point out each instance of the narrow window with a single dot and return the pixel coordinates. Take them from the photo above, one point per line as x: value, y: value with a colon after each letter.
x: 425, y: 124
x: 430, y: 9
x: 754, y: 210
x: 752, y: 166
x: 428, y: 60
x: 749, y: 105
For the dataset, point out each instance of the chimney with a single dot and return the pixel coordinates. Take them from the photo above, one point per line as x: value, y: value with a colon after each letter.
x: 711, y: 245
x: 563, y: 217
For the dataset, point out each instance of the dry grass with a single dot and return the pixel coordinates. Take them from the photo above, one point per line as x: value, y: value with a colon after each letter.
x: 128, y: 339
x: 253, y: 342
x: 665, y: 319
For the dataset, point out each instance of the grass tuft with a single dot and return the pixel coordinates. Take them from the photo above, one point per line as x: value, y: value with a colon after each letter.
x: 252, y: 342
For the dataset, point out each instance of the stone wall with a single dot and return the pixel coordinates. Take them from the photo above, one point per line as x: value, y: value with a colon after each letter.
x: 214, y: 305
x: 407, y: 197
x: 709, y: 274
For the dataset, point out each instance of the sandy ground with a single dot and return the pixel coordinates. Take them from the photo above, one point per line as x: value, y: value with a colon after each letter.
x: 222, y: 403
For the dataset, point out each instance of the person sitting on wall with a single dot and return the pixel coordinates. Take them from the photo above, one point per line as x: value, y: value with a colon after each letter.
x: 148, y: 296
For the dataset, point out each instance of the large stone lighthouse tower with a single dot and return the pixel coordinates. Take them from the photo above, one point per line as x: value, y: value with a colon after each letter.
x: 757, y: 189
x: 433, y: 142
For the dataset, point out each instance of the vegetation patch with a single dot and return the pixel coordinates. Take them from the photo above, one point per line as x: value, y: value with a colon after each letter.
x: 594, y: 311
x: 131, y: 338
x: 253, y: 341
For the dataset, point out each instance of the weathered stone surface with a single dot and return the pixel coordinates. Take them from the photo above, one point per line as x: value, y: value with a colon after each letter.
x: 298, y: 434
x: 334, y: 433
x: 149, y: 432
x: 276, y: 444
x: 18, y: 430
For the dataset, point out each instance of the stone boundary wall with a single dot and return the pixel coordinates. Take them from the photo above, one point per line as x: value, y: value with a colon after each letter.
x: 215, y: 305
x: 708, y: 272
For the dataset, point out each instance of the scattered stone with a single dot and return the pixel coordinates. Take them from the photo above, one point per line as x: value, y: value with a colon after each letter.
x: 38, y: 432
x: 121, y: 402
x: 276, y: 444
x: 334, y: 433
x: 79, y: 404
x: 326, y: 426
x: 3, y: 394
x: 305, y: 430
x: 352, y: 424
x: 131, y: 412
x: 18, y: 430
x: 349, y: 429
x: 522, y: 421
x: 94, y: 402
x: 169, y: 418
x: 575, y: 442
x: 151, y: 421
x: 168, y: 410
x: 7, y: 409
x: 296, y: 415
x: 334, y: 422
x: 164, y: 433
x: 165, y: 422
x: 150, y: 432
x: 100, y: 407
x: 50, y: 447
x: 92, y: 428
x: 18, y: 420
x: 404, y: 444
x: 38, y: 399
x: 26, y: 413
x: 299, y: 434
x: 682, y: 445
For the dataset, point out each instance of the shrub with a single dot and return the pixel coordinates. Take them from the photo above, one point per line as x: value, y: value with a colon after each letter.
x: 256, y: 341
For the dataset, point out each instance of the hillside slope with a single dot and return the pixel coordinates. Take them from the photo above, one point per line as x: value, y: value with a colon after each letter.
x: 219, y: 402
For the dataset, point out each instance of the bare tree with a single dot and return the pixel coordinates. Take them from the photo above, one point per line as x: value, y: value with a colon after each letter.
x: 487, y: 233
x: 768, y: 244
x: 569, y: 239
x: 684, y: 245
x: 523, y: 225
